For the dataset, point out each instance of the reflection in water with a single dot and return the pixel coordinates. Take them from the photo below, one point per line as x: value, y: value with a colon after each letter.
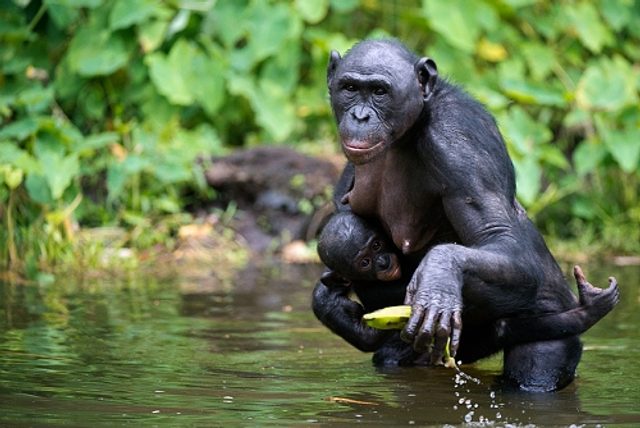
x: 145, y: 352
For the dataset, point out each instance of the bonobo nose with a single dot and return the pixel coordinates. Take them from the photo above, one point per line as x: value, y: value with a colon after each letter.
x: 382, y: 263
x: 361, y: 113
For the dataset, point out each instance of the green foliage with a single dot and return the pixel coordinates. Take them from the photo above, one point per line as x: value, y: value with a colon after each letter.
x: 106, y: 104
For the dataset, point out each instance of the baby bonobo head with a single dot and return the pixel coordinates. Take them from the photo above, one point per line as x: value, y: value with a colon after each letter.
x: 357, y: 250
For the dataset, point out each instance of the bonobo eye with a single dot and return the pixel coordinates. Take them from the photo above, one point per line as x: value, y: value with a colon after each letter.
x: 376, y: 246
x: 365, y: 263
x: 379, y: 90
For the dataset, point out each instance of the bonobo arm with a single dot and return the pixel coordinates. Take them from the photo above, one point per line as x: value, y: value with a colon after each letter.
x: 343, y: 187
x: 343, y: 316
x: 501, y: 260
x: 435, y: 293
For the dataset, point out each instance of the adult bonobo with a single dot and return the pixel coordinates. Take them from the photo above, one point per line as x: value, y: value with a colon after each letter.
x: 429, y: 164
x: 362, y: 261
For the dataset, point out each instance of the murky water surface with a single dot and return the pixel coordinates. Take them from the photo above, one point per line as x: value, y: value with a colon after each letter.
x: 144, y: 352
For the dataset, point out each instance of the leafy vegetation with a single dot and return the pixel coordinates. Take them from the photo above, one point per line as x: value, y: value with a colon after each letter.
x: 106, y: 104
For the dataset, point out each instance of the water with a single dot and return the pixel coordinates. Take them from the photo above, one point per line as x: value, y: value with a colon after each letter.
x: 149, y: 353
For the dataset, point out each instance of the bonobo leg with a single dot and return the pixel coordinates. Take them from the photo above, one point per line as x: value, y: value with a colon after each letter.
x: 343, y: 316
x: 498, y: 287
x: 495, y: 283
x: 542, y: 366
x: 595, y: 303
x: 395, y: 352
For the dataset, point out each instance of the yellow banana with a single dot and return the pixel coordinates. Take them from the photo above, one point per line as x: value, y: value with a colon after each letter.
x: 394, y: 318
x: 389, y: 318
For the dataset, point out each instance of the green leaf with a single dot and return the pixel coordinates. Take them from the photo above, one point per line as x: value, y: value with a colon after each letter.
x: 584, y: 208
x: 77, y: 4
x: 35, y: 99
x: 523, y: 133
x: 202, y: 80
x: 274, y: 110
x: 624, y: 146
x: 587, y: 24
x: 540, y: 59
x: 116, y: 179
x: 531, y: 93
x: 151, y: 34
x: 270, y: 27
x: 126, y: 13
x: 97, y: 141
x: 96, y: 52
x: 227, y: 21
x: 552, y: 155
x: 312, y: 11
x: 344, y: 6
x: 588, y: 156
x: 607, y: 85
x: 12, y: 155
x: 167, y: 74
x: 38, y: 189
x: 494, y: 100
x: 205, y: 79
x: 21, y: 129
x: 57, y: 169
x: 168, y: 171
x: 13, y: 177
x: 452, y: 20
x: 64, y: 12
x: 459, y: 21
x: 278, y: 69
x: 616, y: 13
x: 59, y: 172
x: 528, y: 176
x: 179, y: 22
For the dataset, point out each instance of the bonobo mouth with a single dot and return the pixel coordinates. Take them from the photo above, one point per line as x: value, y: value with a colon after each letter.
x: 391, y: 274
x: 360, y: 151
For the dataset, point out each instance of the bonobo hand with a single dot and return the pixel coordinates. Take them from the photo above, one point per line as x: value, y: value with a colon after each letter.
x: 435, y: 294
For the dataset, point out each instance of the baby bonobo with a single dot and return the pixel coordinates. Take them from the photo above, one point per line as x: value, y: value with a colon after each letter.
x: 363, y: 260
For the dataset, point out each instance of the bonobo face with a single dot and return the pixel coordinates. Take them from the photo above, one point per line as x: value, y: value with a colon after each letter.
x: 376, y: 261
x: 377, y: 94
x: 354, y: 249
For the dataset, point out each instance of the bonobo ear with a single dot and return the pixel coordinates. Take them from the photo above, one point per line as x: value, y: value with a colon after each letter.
x: 334, y: 59
x: 427, y: 72
x: 333, y: 279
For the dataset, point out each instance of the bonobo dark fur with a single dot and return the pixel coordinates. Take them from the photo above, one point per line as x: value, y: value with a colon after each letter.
x: 428, y: 165
x: 362, y: 261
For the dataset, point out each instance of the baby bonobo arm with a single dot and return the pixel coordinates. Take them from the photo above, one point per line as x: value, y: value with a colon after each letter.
x: 595, y: 303
x: 333, y: 307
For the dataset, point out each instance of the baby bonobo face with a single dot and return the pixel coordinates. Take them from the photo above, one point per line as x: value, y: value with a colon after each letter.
x: 357, y: 250
x: 376, y: 260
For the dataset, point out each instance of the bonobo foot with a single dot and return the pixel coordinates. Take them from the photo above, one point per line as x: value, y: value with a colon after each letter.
x: 597, y: 302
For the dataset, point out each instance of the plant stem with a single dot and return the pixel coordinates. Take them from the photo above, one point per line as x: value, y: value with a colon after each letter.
x: 13, y: 253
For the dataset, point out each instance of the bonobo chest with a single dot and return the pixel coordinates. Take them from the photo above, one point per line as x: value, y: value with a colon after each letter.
x: 393, y: 189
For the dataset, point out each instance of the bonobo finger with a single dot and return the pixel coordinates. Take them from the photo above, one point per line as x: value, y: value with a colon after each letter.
x: 410, y: 293
x: 441, y: 336
x: 424, y: 336
x: 456, y: 332
x: 409, y: 331
x: 614, y: 284
x: 579, y: 275
x: 613, y: 291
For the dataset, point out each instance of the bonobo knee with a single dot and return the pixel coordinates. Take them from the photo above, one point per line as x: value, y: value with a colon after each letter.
x: 449, y: 255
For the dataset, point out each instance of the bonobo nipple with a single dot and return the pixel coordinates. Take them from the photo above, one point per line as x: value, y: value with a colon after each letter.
x: 406, y: 246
